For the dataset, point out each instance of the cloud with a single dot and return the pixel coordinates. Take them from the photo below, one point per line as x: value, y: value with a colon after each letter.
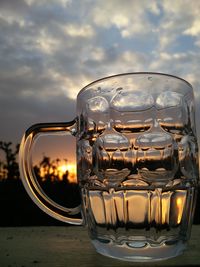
x: 21, y: 111
x: 194, y: 30
x: 64, y: 3
x: 74, y: 30
x: 179, y: 19
x: 129, y: 17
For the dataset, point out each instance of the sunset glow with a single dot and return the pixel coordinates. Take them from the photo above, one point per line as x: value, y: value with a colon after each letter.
x: 58, y: 170
x: 71, y: 169
x: 63, y: 168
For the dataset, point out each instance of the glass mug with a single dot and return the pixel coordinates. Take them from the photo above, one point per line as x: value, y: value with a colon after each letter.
x: 137, y: 165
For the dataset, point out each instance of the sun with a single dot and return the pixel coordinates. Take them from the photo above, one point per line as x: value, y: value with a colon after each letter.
x: 63, y: 168
x: 71, y: 169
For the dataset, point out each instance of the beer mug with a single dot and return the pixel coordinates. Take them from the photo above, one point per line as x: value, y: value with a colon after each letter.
x: 137, y: 165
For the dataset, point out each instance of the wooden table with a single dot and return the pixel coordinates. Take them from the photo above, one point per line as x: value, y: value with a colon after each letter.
x: 70, y: 246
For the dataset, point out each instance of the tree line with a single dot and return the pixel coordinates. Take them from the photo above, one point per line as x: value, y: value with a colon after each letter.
x: 9, y: 168
x: 46, y: 170
x: 12, y: 192
x: 17, y: 209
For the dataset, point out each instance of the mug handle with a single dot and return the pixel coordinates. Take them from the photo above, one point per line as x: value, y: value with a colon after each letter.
x: 30, y: 180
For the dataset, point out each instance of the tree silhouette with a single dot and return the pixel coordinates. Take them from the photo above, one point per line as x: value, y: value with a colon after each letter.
x: 48, y: 170
x: 45, y: 164
x: 56, y: 186
x: 52, y: 178
x: 9, y: 169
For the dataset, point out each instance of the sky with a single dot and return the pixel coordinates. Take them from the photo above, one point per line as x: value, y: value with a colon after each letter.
x: 50, y: 49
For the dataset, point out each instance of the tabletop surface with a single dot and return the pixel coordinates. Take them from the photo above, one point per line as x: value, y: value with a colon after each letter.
x: 70, y: 246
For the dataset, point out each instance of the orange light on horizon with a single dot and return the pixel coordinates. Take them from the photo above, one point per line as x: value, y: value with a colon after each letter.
x: 71, y: 169
x: 63, y: 168
x: 59, y: 170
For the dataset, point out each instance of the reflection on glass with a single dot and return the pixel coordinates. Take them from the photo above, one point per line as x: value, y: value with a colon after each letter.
x: 157, y: 209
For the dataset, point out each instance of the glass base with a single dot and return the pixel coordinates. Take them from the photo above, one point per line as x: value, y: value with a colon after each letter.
x: 140, y: 251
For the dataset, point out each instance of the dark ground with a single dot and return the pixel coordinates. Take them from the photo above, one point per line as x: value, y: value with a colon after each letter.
x: 17, y: 209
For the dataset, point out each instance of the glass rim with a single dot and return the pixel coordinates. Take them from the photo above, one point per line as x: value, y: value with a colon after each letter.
x: 134, y: 73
